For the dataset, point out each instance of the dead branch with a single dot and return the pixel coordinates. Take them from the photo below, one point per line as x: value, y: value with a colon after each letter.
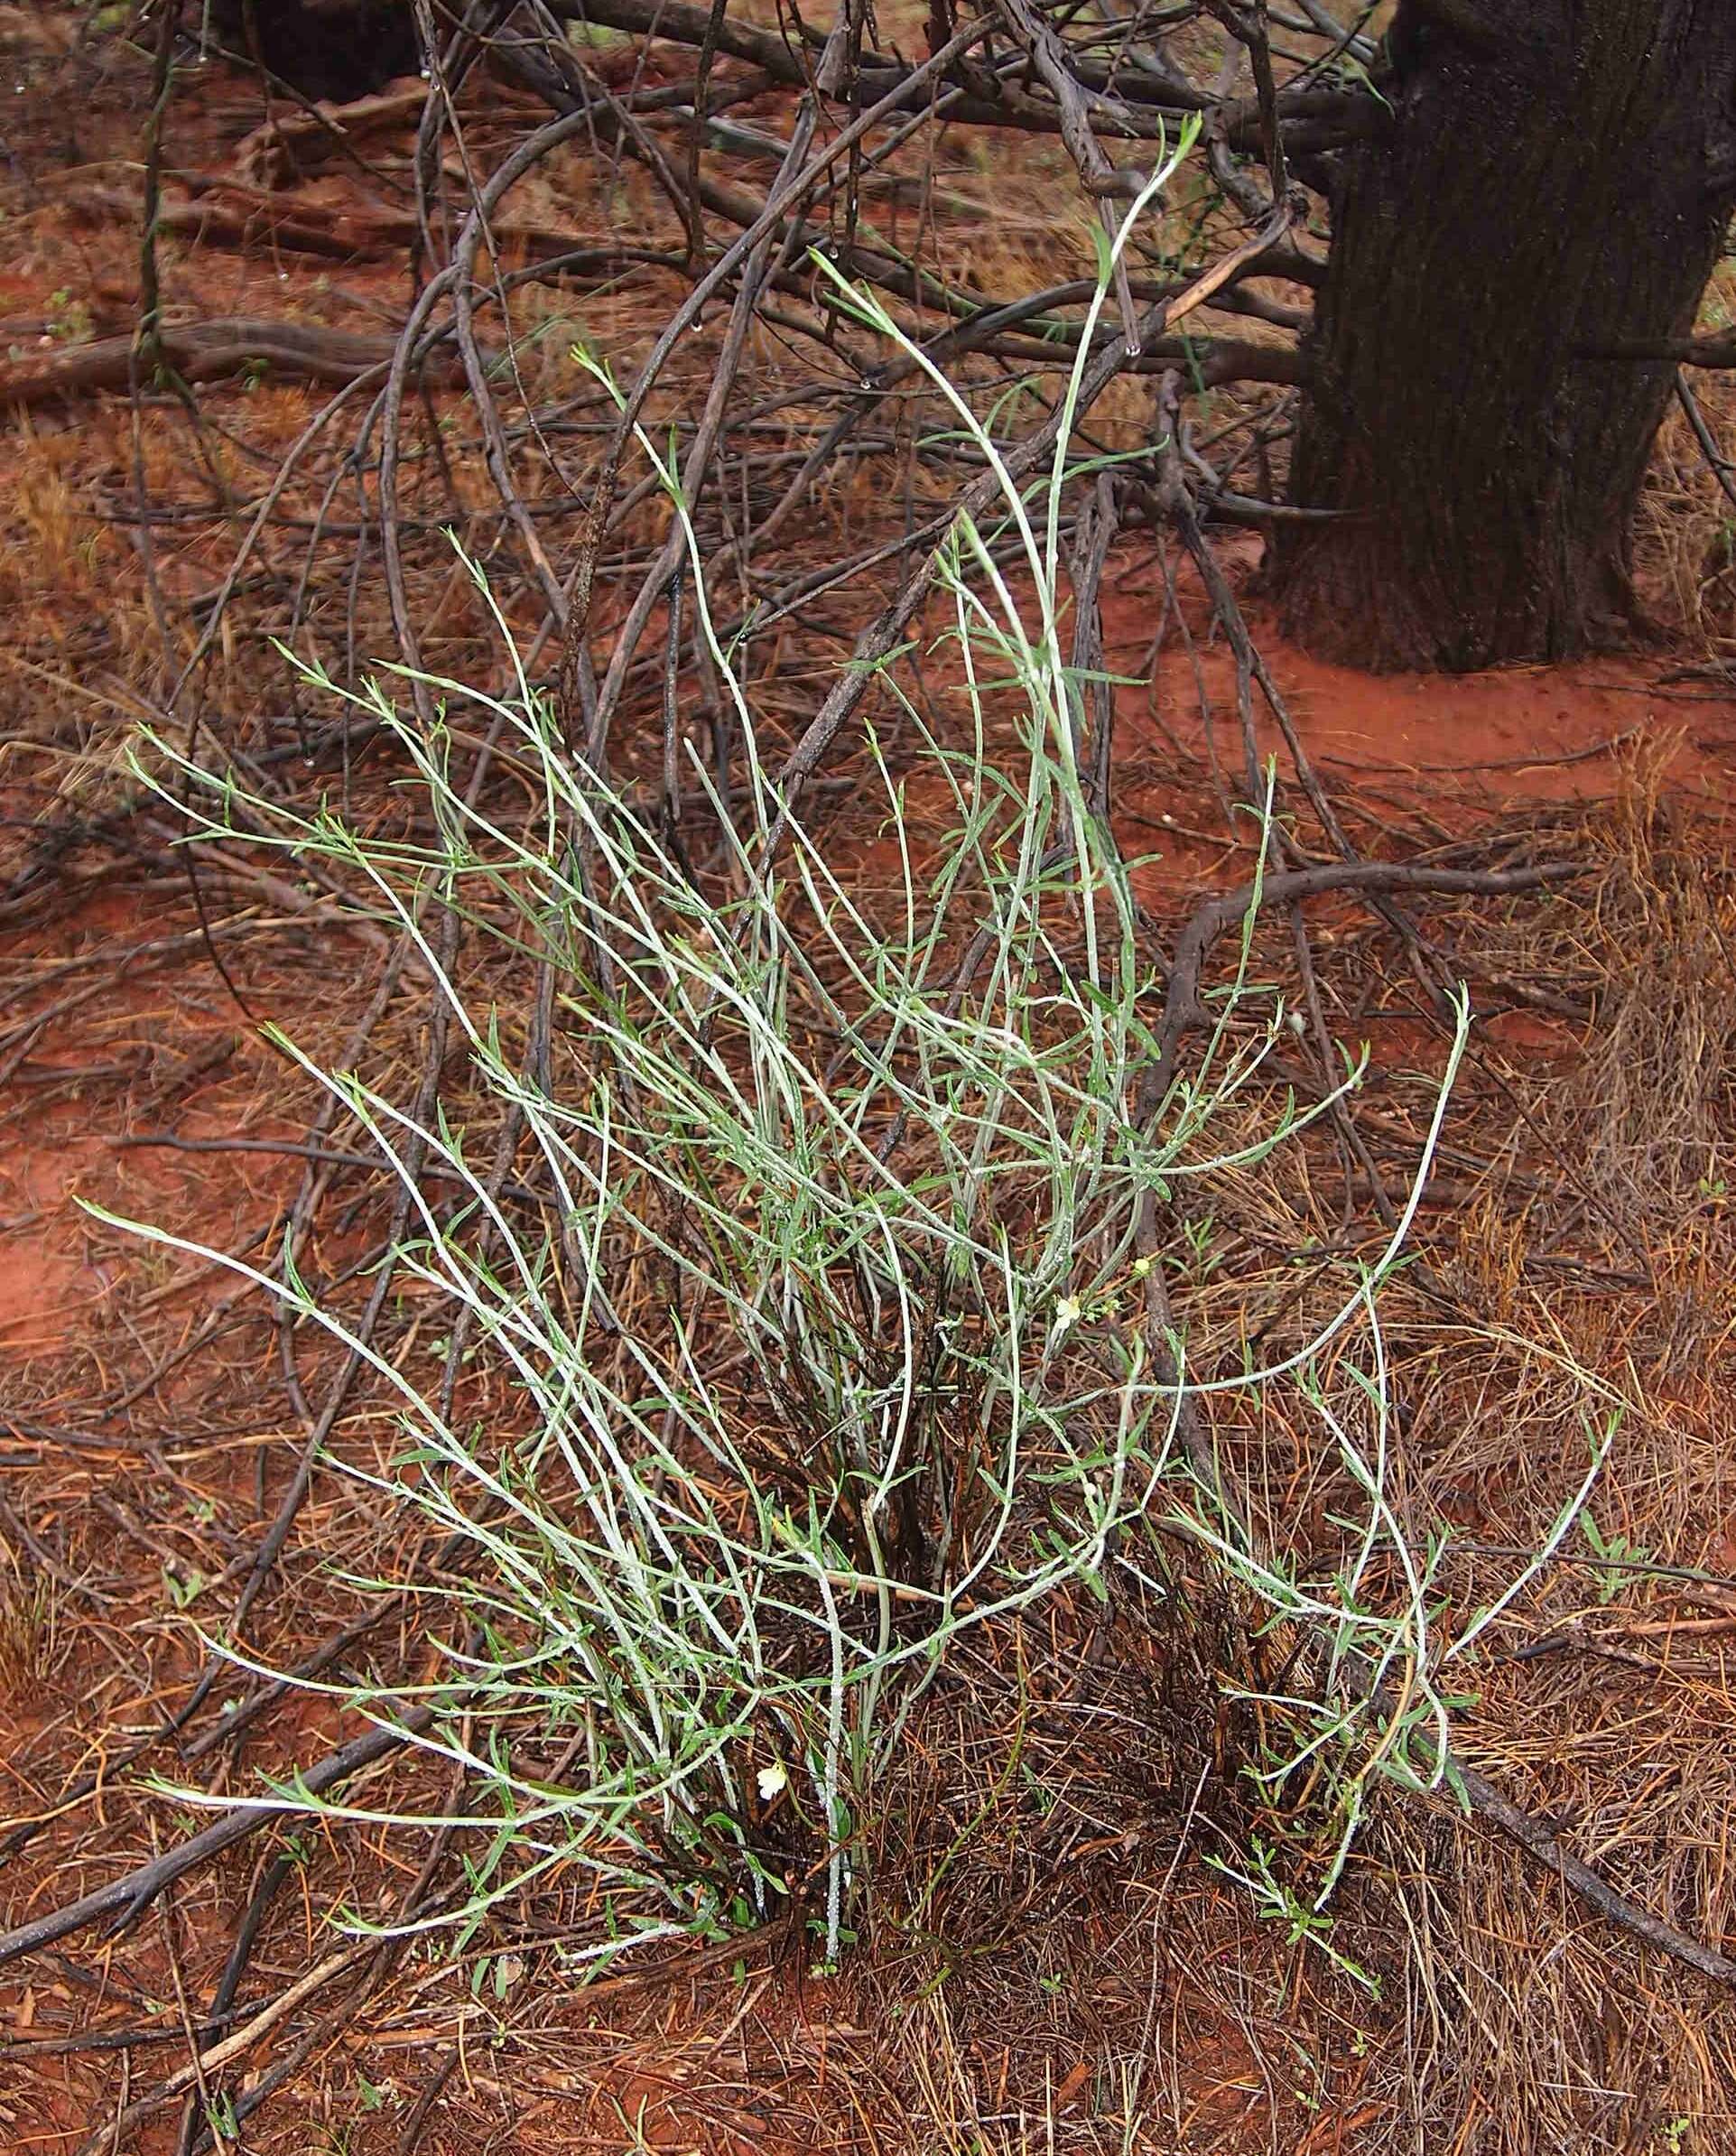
x: 1683, y: 351
x: 1184, y: 1011
x: 225, y: 213
x: 127, y: 1898
x: 313, y: 135
x: 206, y: 351
x: 1323, y: 117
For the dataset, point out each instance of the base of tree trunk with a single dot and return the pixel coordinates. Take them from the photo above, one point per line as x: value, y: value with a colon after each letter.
x: 1346, y: 603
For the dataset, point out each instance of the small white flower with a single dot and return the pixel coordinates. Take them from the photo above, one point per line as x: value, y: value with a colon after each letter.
x: 1297, y: 1024
x: 1066, y: 1312
x: 773, y: 1781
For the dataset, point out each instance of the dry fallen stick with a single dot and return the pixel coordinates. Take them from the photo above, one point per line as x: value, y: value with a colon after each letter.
x: 230, y: 2047
x: 1487, y: 1803
x: 127, y: 1898
x: 226, y: 213
x: 296, y: 142
x: 1182, y: 1010
x: 202, y: 352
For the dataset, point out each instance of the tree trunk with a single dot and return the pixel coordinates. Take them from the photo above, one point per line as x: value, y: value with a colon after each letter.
x: 1557, y: 180
x: 333, y: 49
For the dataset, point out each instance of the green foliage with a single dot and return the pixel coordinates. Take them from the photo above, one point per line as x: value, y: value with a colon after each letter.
x: 838, y: 1346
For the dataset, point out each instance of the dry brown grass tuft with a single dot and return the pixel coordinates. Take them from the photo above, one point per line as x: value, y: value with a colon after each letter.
x: 1687, y: 533
x: 1651, y: 1119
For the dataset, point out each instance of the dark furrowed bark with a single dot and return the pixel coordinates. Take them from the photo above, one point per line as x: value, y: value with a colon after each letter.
x: 1555, y: 182
x: 331, y: 48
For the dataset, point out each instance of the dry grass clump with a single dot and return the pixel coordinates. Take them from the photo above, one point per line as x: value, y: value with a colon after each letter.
x: 1687, y: 533
x: 1651, y: 1113
x: 1594, y: 1707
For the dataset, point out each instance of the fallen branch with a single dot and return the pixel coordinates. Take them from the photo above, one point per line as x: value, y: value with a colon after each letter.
x: 202, y: 352
x: 127, y: 1898
x: 1325, y: 118
x: 1487, y: 1803
x: 295, y: 142
x: 225, y: 213
x: 1717, y: 463
x: 1184, y: 1013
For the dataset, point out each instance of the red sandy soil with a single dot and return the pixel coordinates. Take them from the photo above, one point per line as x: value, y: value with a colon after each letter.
x: 175, y: 1054
x: 1468, y: 750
